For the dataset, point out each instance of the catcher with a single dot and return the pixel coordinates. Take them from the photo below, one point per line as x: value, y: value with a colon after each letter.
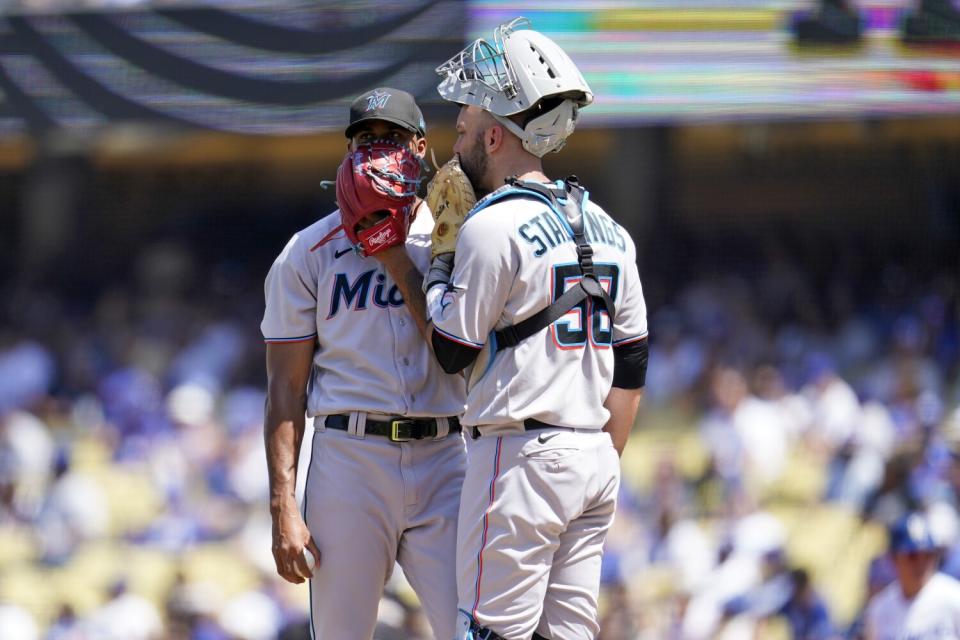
x: 384, y: 479
x: 541, y: 305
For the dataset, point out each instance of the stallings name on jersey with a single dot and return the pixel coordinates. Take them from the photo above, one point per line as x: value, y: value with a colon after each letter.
x: 545, y: 231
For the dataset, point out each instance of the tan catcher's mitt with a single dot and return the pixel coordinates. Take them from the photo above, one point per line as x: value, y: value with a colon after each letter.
x: 450, y: 197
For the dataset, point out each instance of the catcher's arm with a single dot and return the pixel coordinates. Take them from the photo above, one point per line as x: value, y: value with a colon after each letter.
x: 623, y: 405
x: 623, y: 401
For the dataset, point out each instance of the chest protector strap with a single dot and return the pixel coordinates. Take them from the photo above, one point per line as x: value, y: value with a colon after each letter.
x: 568, y: 204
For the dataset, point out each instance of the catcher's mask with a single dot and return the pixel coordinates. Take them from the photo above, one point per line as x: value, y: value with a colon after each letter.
x: 516, y: 73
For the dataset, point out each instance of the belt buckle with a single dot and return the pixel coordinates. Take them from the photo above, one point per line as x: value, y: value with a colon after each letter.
x: 395, y: 430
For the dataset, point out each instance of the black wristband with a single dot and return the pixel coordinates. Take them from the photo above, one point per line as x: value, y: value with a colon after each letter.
x: 440, y: 271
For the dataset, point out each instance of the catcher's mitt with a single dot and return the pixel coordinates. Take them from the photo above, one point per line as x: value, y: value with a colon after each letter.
x: 450, y: 197
x: 377, y: 182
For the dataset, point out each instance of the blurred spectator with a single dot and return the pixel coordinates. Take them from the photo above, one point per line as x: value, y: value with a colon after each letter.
x: 27, y: 369
x: 75, y: 511
x: 722, y: 597
x: 210, y: 359
x: 743, y: 434
x: 619, y: 619
x: 677, y: 360
x: 907, y: 371
x: 133, y: 403
x: 951, y: 495
x: 252, y: 615
x: 66, y: 626
x: 774, y: 590
x: 805, y: 610
x: 922, y: 603
x: 857, y: 468
x: 794, y: 409
x: 880, y: 575
x: 17, y: 623
x: 191, y: 610
x: 726, y: 450
x: 836, y: 409
x: 894, y: 497
x: 26, y: 456
x: 125, y: 616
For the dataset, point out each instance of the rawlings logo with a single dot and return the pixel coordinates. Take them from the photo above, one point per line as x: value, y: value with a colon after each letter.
x: 385, y: 236
x: 377, y: 100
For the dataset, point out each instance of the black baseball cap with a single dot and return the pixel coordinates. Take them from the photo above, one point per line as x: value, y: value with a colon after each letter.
x: 391, y: 105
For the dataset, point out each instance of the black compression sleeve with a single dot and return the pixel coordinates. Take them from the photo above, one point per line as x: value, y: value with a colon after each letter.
x: 453, y: 356
x: 630, y: 365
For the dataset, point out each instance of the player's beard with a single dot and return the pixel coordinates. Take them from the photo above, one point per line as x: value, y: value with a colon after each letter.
x: 474, y: 165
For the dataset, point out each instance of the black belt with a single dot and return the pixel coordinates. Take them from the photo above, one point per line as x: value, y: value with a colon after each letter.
x: 482, y: 633
x: 530, y: 424
x: 397, y: 429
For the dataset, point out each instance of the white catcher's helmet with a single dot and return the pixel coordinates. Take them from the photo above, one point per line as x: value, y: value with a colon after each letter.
x: 520, y: 69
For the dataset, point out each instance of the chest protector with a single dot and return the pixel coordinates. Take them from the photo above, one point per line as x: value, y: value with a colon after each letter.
x: 566, y: 200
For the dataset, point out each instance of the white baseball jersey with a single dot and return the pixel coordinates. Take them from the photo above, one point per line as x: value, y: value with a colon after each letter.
x: 513, y: 259
x: 934, y: 613
x: 370, y: 356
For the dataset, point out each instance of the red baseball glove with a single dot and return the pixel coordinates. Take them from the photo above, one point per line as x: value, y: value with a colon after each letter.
x: 378, y: 181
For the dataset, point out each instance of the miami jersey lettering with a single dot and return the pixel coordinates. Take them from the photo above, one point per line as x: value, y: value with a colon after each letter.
x: 355, y: 294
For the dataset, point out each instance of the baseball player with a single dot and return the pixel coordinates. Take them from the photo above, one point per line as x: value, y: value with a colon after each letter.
x: 922, y: 603
x: 541, y: 306
x: 388, y: 457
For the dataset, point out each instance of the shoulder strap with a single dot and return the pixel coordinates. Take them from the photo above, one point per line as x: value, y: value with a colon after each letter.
x: 513, y: 191
x: 570, y: 205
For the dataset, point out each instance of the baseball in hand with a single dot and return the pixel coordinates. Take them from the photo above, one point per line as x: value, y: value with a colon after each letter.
x: 311, y: 561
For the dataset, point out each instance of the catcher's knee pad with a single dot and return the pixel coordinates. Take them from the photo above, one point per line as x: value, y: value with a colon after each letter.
x: 537, y: 636
x: 470, y: 629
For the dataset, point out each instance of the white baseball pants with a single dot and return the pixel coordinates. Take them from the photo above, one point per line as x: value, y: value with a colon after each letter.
x: 534, y: 512
x: 369, y: 503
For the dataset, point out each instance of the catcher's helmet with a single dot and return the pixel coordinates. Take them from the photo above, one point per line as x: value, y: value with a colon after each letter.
x: 521, y: 70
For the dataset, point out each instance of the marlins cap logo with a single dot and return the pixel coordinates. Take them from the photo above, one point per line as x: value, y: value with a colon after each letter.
x: 377, y: 100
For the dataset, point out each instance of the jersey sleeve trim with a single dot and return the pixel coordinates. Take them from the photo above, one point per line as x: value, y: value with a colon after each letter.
x: 458, y: 340
x: 297, y: 339
x: 327, y: 238
x: 629, y: 340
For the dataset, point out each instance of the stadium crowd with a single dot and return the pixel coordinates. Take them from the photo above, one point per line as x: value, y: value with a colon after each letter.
x: 787, y: 423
